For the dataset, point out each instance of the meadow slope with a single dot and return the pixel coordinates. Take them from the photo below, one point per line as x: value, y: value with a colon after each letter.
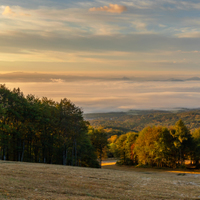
x: 42, y: 181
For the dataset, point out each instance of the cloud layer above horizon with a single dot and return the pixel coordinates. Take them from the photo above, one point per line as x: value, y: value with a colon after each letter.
x: 115, y: 37
x: 135, y: 35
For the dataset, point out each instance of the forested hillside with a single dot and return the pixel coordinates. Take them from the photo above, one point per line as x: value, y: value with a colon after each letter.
x: 137, y: 120
x: 42, y: 130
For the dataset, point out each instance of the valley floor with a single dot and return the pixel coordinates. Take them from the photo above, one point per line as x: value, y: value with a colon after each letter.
x: 41, y: 181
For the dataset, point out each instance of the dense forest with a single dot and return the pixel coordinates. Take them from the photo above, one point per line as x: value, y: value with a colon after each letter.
x: 42, y: 130
x: 45, y: 131
x: 157, y: 146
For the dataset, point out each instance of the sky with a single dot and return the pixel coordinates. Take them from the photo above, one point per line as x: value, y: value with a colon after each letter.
x: 103, y: 55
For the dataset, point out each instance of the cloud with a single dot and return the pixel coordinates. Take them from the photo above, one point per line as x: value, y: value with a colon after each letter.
x: 57, y: 80
x: 123, y: 77
x: 139, y: 25
x: 117, y: 95
x: 24, y: 77
x: 55, y: 34
x: 141, y: 51
x: 140, y: 4
x: 112, y: 8
x: 67, y: 21
x: 128, y: 43
x: 169, y: 5
x: 9, y: 12
x: 162, y: 25
x: 194, y: 34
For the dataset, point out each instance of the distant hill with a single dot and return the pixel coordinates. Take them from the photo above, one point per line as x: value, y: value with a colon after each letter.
x: 174, y: 79
x: 136, y: 120
x: 193, y: 79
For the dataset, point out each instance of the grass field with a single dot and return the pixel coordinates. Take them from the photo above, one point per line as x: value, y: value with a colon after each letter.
x: 42, y: 181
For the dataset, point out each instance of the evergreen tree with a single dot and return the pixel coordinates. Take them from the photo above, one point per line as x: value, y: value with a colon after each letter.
x: 183, y: 140
x: 41, y: 130
x: 98, y: 138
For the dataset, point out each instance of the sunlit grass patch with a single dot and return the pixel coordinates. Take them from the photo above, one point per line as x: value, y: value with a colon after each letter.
x: 109, y: 163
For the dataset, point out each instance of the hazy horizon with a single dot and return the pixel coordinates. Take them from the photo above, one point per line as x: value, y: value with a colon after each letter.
x: 103, y: 56
x: 94, y: 94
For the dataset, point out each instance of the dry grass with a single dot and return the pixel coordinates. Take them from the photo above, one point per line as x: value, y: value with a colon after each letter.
x: 40, y: 181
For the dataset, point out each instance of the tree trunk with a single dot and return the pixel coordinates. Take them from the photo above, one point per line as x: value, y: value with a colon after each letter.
x: 19, y: 152
x: 64, y: 158
x: 181, y: 157
x: 30, y: 152
x: 75, y: 146
x: 100, y: 157
x: 72, y: 164
x: 44, y: 153
x: 79, y: 161
x: 22, y: 157
x: 4, y: 153
x: 66, y: 155
x: 18, y: 156
x: 7, y: 154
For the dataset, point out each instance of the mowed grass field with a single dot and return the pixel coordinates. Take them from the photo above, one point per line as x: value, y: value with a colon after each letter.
x: 43, y: 181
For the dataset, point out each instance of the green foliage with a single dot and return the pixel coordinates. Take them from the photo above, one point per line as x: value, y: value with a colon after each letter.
x: 145, y: 146
x: 41, y: 130
x: 196, y: 146
x: 182, y: 140
x: 157, y: 146
x: 112, y: 150
x: 122, y: 147
x: 98, y: 138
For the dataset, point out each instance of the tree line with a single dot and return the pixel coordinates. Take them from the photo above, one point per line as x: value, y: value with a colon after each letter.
x: 42, y: 130
x: 157, y: 146
x: 45, y: 131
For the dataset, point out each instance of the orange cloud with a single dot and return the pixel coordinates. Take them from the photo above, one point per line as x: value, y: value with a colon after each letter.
x: 8, y: 11
x: 112, y: 8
